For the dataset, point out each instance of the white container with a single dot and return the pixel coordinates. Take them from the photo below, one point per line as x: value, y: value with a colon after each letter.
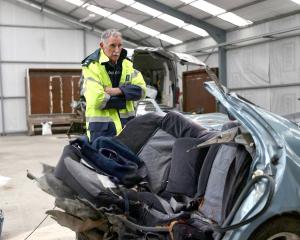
x: 46, y: 128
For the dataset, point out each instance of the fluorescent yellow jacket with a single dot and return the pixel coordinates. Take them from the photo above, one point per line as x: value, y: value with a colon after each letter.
x: 106, y: 115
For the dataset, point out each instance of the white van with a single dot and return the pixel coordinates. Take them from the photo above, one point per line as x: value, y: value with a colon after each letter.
x: 159, y: 68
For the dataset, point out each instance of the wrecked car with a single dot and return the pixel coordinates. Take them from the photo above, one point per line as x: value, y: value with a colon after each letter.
x: 175, y: 179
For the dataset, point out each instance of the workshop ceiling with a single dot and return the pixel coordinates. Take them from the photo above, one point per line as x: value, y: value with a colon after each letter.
x: 160, y: 22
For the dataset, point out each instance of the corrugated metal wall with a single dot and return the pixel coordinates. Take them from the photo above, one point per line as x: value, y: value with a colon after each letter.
x: 29, y: 40
x: 267, y: 74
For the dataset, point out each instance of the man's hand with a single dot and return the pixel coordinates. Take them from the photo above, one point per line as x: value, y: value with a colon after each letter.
x: 113, y: 91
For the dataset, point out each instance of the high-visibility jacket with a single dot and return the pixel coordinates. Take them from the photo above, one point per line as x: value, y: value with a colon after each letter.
x: 106, y: 115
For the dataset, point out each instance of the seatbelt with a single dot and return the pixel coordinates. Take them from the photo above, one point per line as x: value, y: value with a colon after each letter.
x: 175, y: 205
x: 166, y: 206
x: 162, y: 217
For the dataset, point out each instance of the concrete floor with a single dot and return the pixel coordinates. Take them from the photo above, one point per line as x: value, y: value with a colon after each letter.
x: 22, y: 202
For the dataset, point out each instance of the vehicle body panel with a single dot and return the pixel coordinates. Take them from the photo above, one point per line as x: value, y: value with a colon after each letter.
x: 277, y: 142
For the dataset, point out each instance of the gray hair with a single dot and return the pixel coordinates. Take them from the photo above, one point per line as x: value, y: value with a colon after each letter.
x: 108, y: 33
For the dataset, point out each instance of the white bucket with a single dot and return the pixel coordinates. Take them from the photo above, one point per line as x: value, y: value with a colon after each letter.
x: 46, y: 128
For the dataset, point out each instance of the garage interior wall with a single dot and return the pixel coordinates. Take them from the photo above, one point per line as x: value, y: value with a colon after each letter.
x: 32, y: 40
x: 268, y: 73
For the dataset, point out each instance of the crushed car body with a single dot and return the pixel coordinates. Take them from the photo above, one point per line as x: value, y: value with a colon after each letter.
x: 177, y: 178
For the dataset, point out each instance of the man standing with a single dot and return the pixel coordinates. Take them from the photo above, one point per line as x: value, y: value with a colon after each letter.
x: 110, y: 87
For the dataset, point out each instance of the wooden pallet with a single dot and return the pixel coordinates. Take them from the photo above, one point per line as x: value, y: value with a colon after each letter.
x: 60, y: 122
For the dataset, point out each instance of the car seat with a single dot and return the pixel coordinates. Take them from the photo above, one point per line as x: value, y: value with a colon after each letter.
x: 211, y: 178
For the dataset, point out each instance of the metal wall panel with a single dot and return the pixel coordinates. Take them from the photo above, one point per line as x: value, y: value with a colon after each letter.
x: 15, y: 115
x: 285, y: 61
x: 285, y: 100
x: 13, y: 80
x: 23, y: 44
x: 261, y: 97
x: 248, y: 66
x: 92, y: 43
x: 1, y: 117
x: 282, y: 100
x: 64, y: 45
x: 274, y: 65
